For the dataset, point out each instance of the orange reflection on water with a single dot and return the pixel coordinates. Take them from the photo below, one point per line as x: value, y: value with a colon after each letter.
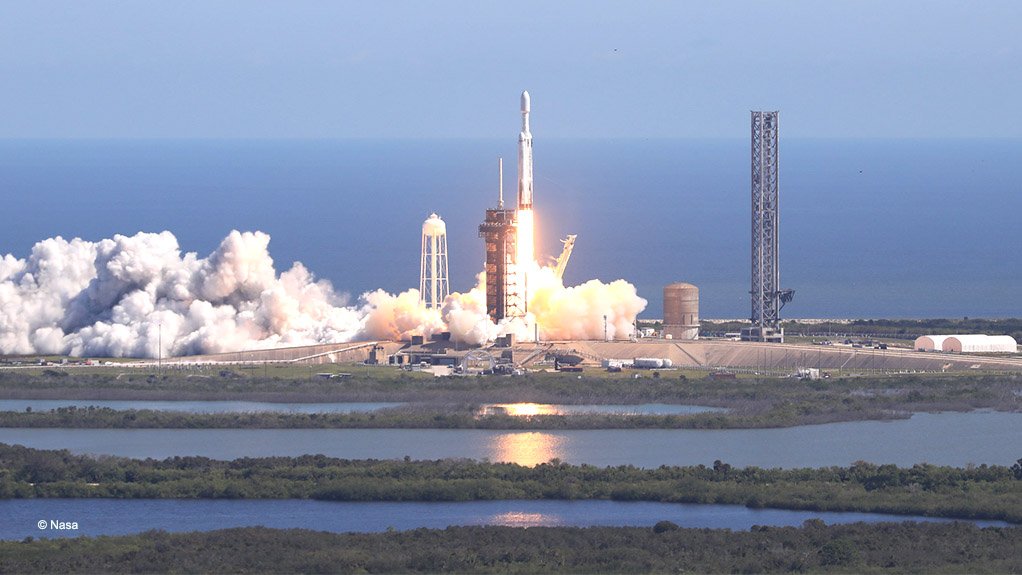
x: 526, y: 448
x: 522, y: 519
x: 521, y: 409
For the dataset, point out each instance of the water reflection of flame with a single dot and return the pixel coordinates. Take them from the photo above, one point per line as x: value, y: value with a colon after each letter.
x: 522, y: 409
x: 526, y: 448
x: 522, y: 519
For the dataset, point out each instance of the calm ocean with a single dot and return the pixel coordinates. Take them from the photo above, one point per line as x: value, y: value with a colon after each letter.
x: 869, y: 228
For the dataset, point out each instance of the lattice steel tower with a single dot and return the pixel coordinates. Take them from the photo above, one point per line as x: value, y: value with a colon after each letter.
x: 767, y: 296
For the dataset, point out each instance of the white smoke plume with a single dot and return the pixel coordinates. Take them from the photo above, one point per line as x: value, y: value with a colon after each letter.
x: 121, y: 297
x: 579, y: 312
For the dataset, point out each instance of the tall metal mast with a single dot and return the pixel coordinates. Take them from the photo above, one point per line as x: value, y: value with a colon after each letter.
x: 767, y: 296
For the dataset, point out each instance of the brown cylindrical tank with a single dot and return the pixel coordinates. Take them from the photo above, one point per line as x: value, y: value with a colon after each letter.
x: 681, y: 311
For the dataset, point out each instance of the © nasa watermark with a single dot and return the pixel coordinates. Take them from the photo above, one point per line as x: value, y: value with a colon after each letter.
x: 57, y: 525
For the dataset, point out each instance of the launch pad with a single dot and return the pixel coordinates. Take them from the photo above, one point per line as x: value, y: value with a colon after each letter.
x: 768, y: 359
x: 509, y: 236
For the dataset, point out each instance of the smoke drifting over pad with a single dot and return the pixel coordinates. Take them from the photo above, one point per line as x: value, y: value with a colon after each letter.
x: 113, y: 298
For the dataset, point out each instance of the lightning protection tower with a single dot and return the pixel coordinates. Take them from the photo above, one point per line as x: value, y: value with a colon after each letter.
x: 433, y: 279
x: 767, y: 297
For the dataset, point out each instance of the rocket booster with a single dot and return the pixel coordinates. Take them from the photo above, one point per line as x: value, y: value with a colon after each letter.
x: 525, y: 158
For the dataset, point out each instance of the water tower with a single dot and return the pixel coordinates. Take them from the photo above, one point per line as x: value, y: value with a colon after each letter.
x: 433, y: 279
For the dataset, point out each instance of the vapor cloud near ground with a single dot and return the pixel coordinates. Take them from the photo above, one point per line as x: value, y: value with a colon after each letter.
x: 128, y: 295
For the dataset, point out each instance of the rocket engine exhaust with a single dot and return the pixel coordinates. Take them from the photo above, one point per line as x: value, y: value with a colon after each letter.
x: 140, y: 296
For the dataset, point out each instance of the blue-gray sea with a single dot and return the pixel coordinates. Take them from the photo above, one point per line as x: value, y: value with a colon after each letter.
x: 869, y: 228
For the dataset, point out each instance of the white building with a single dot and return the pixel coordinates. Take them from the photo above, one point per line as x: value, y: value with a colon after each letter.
x: 980, y: 344
x: 931, y: 342
x: 968, y: 343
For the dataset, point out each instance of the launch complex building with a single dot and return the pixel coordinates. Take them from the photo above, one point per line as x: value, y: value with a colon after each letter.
x: 508, y: 234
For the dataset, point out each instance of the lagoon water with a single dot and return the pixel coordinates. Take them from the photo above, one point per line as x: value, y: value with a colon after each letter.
x: 124, y: 516
x: 859, y: 217
x: 942, y: 438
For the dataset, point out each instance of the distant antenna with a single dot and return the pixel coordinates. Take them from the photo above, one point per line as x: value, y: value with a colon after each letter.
x: 433, y: 279
x: 500, y: 168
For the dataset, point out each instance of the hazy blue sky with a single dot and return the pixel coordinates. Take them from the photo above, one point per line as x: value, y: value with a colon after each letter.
x: 241, y: 68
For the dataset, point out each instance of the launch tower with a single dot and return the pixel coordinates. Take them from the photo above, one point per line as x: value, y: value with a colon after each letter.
x: 499, y: 231
x: 510, y: 237
x: 767, y: 297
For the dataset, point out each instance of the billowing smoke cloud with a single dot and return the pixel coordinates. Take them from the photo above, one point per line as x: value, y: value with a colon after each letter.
x: 579, y: 312
x: 121, y: 297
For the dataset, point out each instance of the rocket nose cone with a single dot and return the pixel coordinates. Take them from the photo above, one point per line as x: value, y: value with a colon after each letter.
x: 525, y: 101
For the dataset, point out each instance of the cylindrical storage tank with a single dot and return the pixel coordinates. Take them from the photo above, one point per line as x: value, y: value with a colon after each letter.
x: 681, y: 311
x: 648, y: 362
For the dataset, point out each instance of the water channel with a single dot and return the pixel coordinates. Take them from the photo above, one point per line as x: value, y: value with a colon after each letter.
x: 939, y: 438
x: 23, y: 517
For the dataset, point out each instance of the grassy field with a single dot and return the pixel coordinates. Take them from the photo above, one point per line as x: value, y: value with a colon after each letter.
x: 412, y: 416
x: 452, y: 401
x: 133, y: 369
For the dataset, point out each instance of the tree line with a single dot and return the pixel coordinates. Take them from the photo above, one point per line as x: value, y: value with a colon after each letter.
x: 888, y: 328
x: 974, y: 492
x: 814, y: 547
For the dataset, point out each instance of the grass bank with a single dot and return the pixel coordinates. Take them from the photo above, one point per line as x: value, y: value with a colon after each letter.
x: 752, y: 402
x: 428, y: 416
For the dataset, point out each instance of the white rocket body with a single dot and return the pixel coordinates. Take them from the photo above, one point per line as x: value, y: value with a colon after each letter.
x: 525, y: 158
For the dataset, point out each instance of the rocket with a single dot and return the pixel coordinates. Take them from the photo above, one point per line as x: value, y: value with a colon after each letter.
x: 525, y: 158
